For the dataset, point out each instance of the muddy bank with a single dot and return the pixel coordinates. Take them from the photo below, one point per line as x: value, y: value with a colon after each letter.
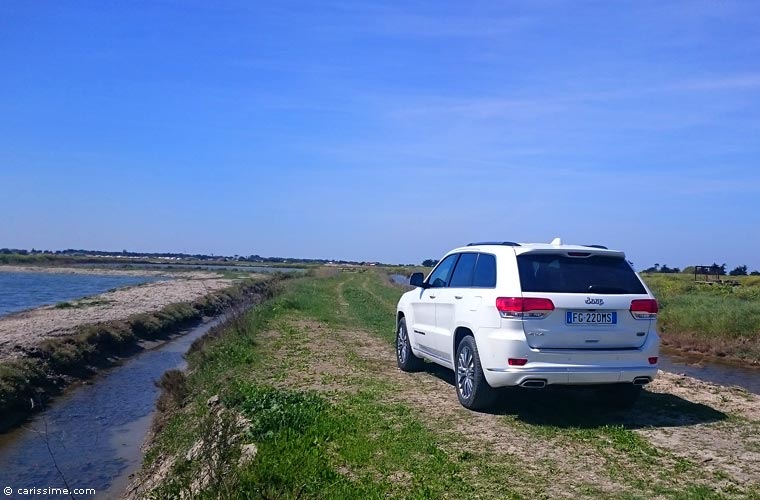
x: 44, y: 367
x: 711, y: 369
x: 23, y: 331
x: 743, y: 352
x: 92, y: 434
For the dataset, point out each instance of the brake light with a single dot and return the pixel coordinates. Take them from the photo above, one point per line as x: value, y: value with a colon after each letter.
x: 653, y: 360
x: 644, y: 308
x: 524, y: 307
x: 517, y: 361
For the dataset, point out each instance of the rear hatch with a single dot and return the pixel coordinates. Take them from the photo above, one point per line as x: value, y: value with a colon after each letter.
x: 592, y: 294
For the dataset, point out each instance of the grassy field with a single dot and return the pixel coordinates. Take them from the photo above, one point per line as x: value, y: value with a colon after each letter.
x: 715, y: 319
x: 308, y: 380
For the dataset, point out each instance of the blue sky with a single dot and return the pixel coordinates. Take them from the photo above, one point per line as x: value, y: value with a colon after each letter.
x: 387, y: 131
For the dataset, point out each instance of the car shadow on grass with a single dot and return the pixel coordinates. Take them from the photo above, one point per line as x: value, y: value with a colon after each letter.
x: 580, y: 407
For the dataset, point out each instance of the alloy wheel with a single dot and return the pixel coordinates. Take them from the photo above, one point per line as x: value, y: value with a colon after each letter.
x: 402, y: 345
x: 465, y: 372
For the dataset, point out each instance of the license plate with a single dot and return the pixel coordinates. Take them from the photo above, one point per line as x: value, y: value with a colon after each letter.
x: 591, y: 318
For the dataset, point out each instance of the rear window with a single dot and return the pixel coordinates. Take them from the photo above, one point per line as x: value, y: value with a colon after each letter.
x: 563, y: 274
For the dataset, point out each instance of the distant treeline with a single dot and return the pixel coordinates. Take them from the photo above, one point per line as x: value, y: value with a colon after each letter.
x: 10, y: 253
x: 657, y: 268
x: 714, y: 270
x: 100, y: 253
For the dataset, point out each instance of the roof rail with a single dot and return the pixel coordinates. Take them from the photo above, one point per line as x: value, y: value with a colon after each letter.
x: 504, y: 243
x: 596, y: 246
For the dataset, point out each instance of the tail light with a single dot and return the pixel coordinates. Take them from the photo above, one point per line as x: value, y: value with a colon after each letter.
x: 653, y: 360
x: 524, y: 307
x: 644, y: 308
x: 517, y: 361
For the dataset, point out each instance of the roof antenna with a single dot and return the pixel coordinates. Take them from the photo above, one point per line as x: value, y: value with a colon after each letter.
x: 557, y: 241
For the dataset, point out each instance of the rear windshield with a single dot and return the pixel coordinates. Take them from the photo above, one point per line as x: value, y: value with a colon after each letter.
x: 563, y: 274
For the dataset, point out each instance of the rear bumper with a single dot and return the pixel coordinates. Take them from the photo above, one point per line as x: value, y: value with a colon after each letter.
x: 561, y: 366
x: 568, y: 375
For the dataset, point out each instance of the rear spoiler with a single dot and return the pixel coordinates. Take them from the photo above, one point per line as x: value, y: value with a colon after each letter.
x: 572, y: 251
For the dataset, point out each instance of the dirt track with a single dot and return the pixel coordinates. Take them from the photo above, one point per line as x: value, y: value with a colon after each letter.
x: 685, y: 439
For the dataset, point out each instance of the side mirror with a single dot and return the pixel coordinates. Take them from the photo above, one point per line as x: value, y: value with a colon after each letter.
x: 417, y: 280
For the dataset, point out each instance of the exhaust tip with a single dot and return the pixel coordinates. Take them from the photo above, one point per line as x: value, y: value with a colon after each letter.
x: 641, y: 380
x: 534, y: 383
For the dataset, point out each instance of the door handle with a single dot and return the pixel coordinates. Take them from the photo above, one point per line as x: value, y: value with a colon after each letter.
x: 432, y: 296
x: 457, y: 296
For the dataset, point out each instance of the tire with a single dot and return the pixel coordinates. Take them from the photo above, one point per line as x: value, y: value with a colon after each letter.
x: 619, y: 396
x: 405, y: 358
x: 473, y: 390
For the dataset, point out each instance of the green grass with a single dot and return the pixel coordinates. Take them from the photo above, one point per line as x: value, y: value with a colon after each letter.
x: 309, y: 447
x: 359, y: 448
x: 717, y: 319
x: 361, y: 442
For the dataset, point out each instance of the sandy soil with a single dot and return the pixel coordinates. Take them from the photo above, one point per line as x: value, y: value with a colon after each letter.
x: 84, y: 270
x: 731, y: 446
x: 20, y: 331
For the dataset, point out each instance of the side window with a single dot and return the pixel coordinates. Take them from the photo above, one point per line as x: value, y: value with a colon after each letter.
x: 462, y: 275
x: 485, y: 271
x: 439, y: 278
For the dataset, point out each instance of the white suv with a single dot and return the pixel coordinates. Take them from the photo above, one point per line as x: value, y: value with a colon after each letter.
x: 531, y: 315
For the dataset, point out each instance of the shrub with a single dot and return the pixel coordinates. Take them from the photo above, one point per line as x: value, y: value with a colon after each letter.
x: 174, y: 390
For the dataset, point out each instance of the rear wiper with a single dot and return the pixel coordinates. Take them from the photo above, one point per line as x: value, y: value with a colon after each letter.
x: 606, y: 289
